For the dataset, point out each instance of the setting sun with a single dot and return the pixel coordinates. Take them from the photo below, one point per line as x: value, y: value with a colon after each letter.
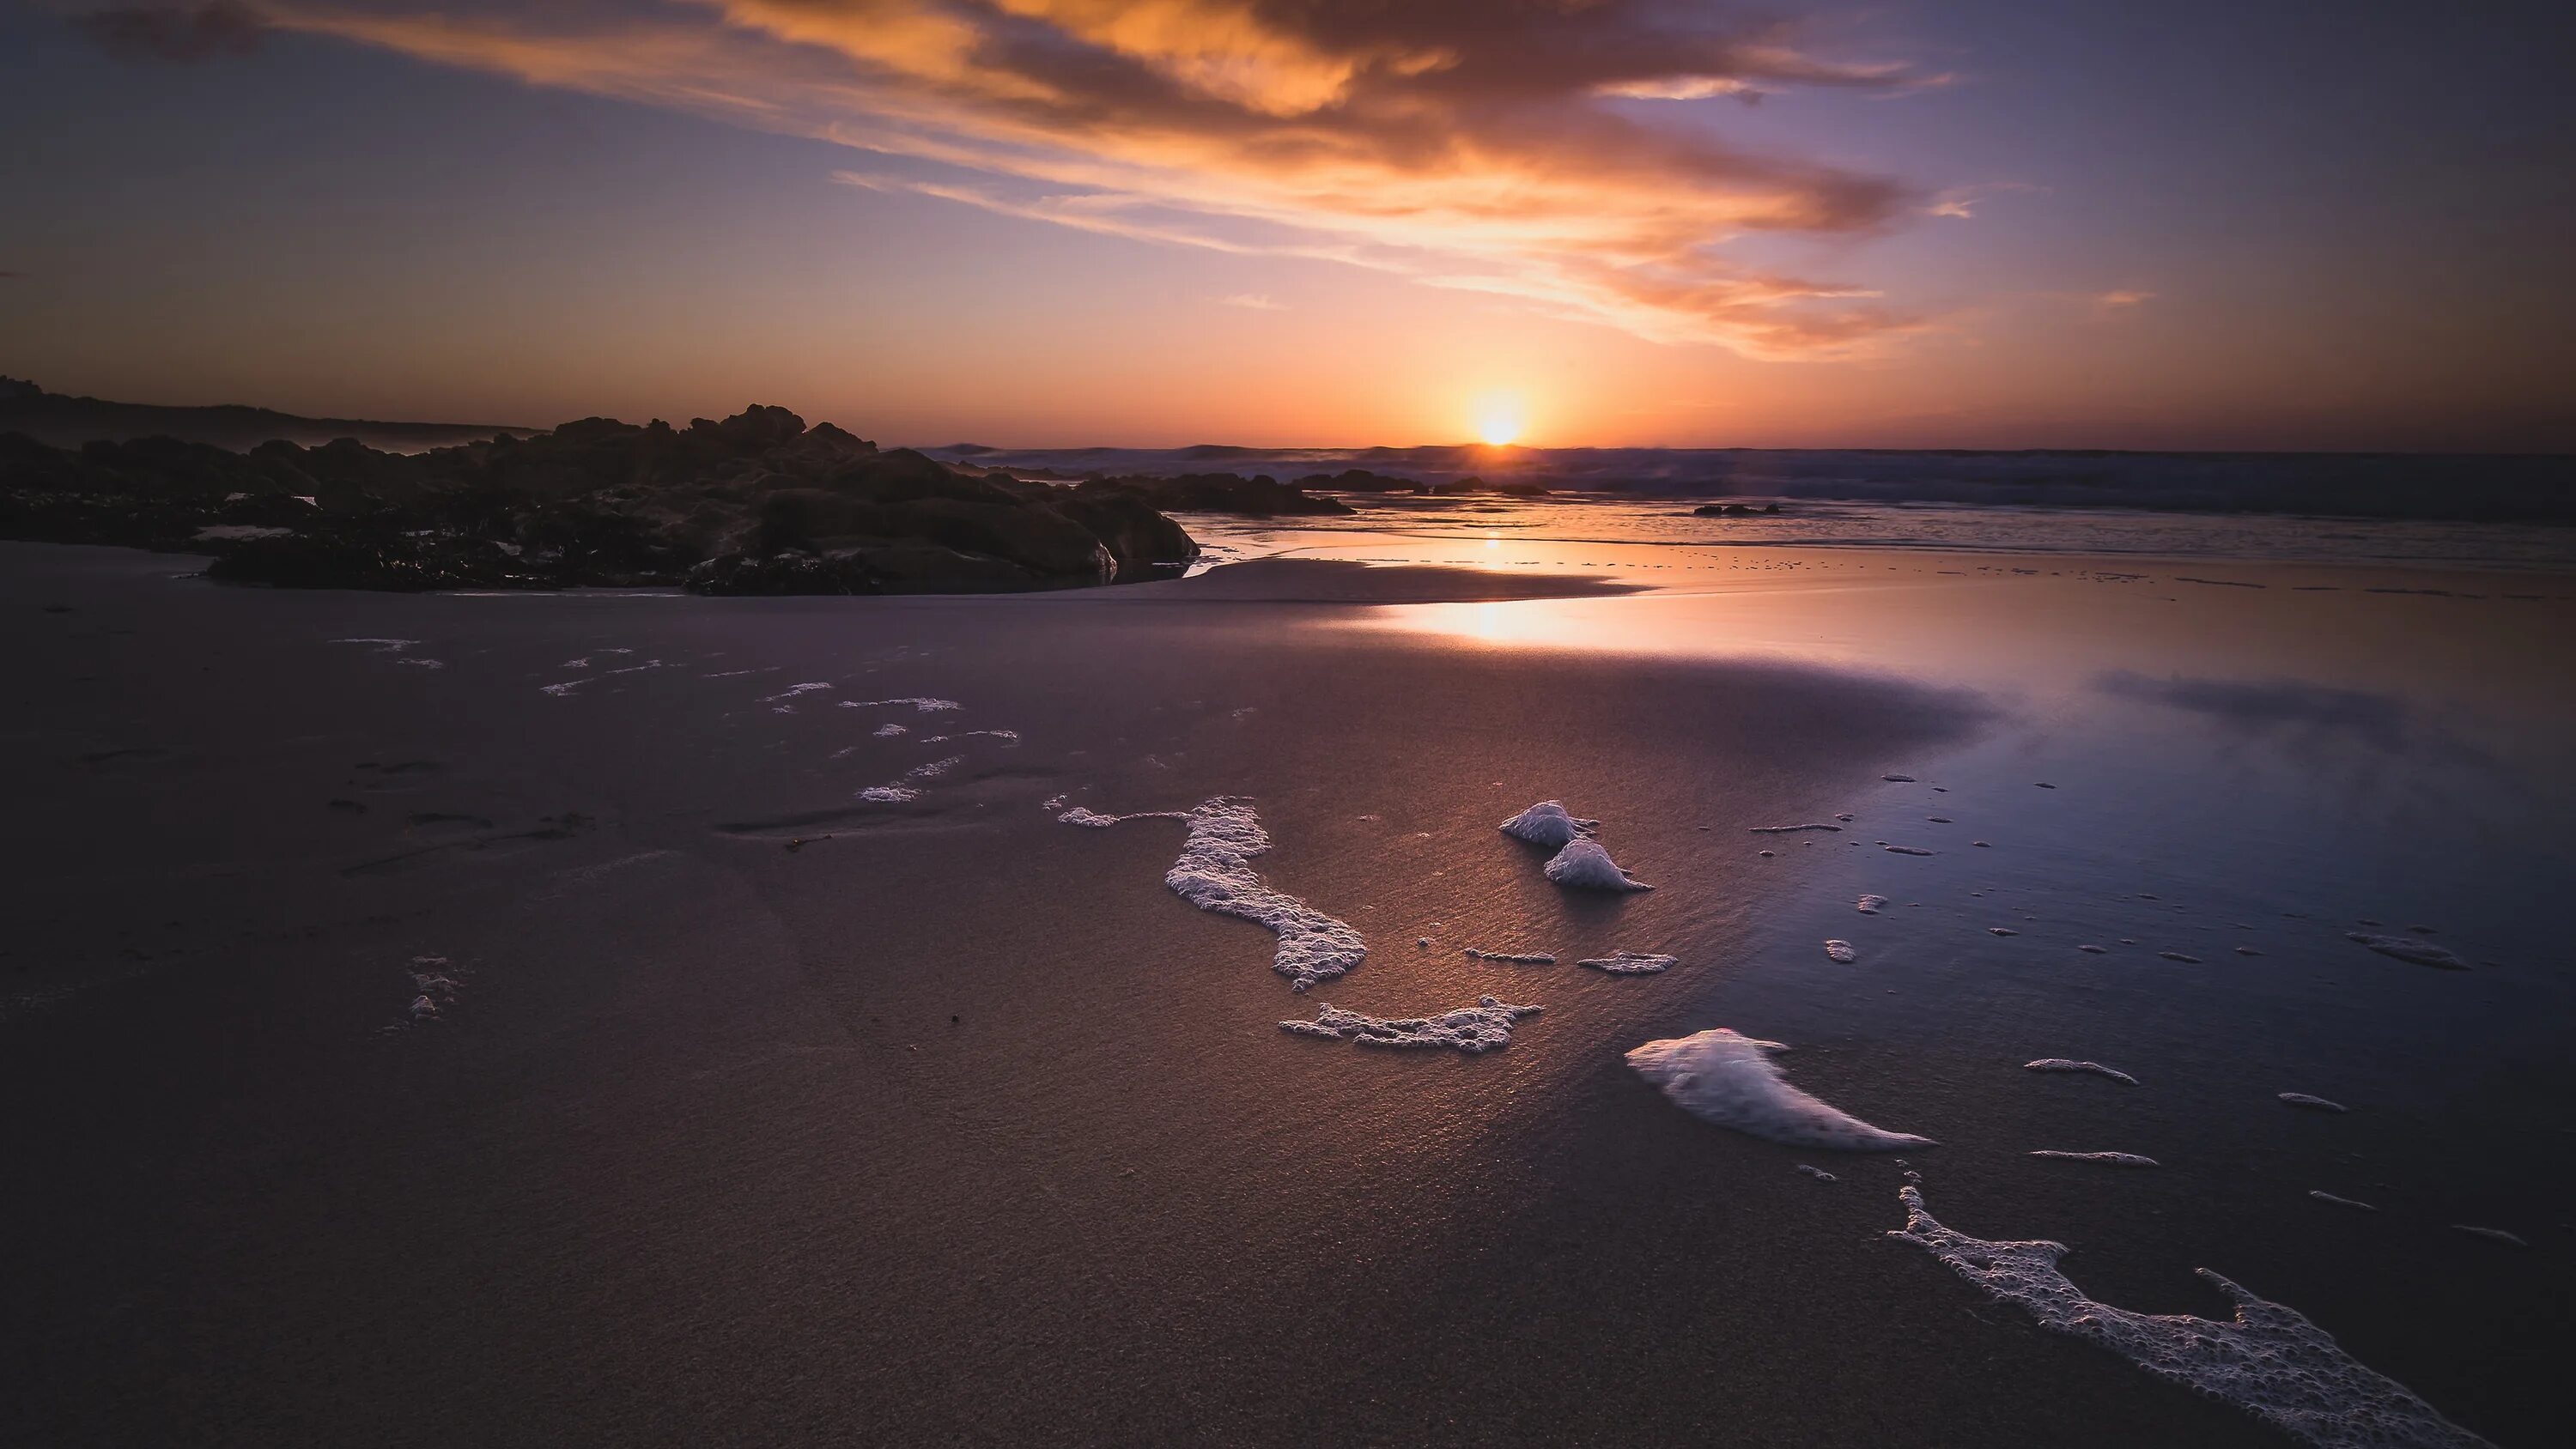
x: 1500, y: 416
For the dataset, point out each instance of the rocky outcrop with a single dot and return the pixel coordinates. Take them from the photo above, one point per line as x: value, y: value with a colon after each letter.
x: 754, y: 503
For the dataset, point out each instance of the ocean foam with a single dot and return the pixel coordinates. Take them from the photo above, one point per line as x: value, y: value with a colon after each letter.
x: 2268, y: 1360
x: 2314, y: 1104
x: 1631, y: 963
x: 1840, y: 951
x: 2495, y: 1235
x: 2179, y: 956
x: 1868, y: 905
x: 1212, y: 874
x: 793, y: 690
x: 1483, y: 1027
x: 889, y: 794
x: 2405, y: 948
x: 1718, y: 1076
x: 1791, y: 829
x: 1584, y: 865
x: 2001, y: 931
x: 890, y: 729
x: 1547, y: 823
x: 1513, y: 958
x: 933, y: 769
x: 2064, y: 1064
x: 565, y: 689
x: 926, y: 706
x: 433, y: 985
x: 1818, y: 1173
x: 2349, y: 1202
x: 2091, y: 950
x: 2113, y: 1159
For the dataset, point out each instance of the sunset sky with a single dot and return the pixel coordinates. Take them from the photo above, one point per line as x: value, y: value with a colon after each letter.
x: 2191, y: 224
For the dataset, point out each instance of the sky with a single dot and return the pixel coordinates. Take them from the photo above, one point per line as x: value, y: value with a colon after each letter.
x: 2254, y: 224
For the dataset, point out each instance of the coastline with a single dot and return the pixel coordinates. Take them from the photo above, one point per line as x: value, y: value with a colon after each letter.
x: 1112, y: 1199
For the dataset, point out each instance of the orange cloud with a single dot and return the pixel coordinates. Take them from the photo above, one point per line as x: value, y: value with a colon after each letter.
x: 1494, y: 145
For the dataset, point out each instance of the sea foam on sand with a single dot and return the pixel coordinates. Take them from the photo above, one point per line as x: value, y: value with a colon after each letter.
x: 1631, y: 963
x: 1212, y: 874
x: 1579, y: 862
x: 2062, y: 1064
x: 1548, y: 823
x: 1584, y: 865
x: 2110, y: 1159
x: 2407, y: 948
x: 1728, y: 1079
x: 2268, y: 1360
x: 1483, y: 1027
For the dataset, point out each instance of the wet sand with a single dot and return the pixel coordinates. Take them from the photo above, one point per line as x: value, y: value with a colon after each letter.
x: 951, y: 1122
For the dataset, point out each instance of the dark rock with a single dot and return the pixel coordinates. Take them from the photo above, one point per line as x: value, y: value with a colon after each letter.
x: 757, y: 503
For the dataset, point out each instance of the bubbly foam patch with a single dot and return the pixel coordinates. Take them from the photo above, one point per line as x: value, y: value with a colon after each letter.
x: 1584, y: 865
x: 2313, y: 1104
x: 565, y: 689
x: 890, y: 729
x: 2349, y: 1202
x: 1818, y: 1173
x: 1869, y: 905
x: 2112, y: 1159
x: 2409, y: 949
x: 1632, y: 963
x: 2268, y: 1360
x: 1718, y: 1076
x: 1213, y: 875
x: 793, y: 690
x: 1513, y: 958
x: 1841, y: 951
x: 1547, y: 823
x: 2494, y: 1235
x: 926, y: 706
x: 889, y: 794
x: 433, y: 983
x: 1483, y: 1027
x: 2065, y: 1064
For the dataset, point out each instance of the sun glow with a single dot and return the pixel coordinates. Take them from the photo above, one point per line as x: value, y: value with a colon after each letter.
x: 1500, y: 416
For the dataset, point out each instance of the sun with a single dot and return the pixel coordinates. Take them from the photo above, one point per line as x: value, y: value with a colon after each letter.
x: 1500, y: 416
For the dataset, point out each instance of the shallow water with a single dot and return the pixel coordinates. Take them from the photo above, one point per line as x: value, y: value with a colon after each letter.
x: 768, y: 1112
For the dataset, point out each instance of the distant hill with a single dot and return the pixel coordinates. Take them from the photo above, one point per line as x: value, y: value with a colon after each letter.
x: 68, y: 422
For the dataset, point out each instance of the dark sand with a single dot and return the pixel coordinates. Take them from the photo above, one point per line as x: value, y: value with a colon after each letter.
x: 699, y: 1155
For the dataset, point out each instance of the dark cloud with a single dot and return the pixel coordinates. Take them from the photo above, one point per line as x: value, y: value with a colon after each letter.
x: 174, y: 32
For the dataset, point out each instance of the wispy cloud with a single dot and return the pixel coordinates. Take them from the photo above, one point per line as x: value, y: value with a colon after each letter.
x: 1501, y: 146
x: 1254, y: 302
x: 2122, y: 300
